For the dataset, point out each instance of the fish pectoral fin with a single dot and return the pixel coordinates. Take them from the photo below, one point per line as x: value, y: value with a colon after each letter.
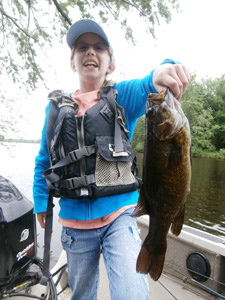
x: 140, y: 208
x: 175, y: 157
x: 178, y: 222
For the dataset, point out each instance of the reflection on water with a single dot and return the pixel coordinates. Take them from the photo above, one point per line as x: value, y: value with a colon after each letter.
x: 205, y: 207
x: 17, y: 164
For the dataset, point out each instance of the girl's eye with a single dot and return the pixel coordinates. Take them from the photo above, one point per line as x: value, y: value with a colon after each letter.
x: 99, y: 47
x: 82, y: 47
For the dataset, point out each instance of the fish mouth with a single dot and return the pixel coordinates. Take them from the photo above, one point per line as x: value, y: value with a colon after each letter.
x: 165, y: 115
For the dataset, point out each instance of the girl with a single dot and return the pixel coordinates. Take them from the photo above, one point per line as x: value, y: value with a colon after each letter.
x: 95, y: 210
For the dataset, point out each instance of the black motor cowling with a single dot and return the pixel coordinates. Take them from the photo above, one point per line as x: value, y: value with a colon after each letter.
x: 17, y: 232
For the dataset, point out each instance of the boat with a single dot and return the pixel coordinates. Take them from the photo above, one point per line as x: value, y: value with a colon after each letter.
x: 194, y: 264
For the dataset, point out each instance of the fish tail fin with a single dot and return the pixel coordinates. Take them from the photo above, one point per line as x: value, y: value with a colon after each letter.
x: 178, y: 222
x: 150, y: 262
x: 157, y: 266
x: 144, y: 260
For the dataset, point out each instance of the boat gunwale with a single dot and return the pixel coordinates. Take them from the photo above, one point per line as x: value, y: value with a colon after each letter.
x: 195, y: 237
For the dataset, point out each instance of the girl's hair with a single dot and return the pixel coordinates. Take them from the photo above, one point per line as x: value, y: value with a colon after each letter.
x: 112, y: 58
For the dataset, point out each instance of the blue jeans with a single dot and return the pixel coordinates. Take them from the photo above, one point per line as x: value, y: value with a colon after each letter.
x: 120, y: 244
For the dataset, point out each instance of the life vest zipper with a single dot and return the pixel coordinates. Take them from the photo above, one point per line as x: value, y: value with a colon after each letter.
x: 81, y: 143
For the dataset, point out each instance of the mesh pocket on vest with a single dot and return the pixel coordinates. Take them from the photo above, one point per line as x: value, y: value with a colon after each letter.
x: 109, y: 173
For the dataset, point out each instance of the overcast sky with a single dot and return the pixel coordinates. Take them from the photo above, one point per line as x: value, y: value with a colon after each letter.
x: 194, y: 37
x: 197, y: 36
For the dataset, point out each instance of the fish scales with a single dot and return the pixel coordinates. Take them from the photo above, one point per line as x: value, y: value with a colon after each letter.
x: 166, y: 178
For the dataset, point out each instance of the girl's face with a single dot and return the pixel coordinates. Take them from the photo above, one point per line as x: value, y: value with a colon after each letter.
x: 91, y: 58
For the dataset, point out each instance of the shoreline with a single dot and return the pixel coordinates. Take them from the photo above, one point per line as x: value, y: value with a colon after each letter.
x: 208, y: 155
x: 198, y: 154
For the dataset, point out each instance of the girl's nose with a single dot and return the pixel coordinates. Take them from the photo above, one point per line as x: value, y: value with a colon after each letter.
x: 90, y: 50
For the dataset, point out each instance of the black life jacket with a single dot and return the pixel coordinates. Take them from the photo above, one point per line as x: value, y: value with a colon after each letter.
x: 90, y: 155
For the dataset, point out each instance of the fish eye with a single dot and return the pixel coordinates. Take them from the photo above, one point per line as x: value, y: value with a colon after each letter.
x: 151, y: 112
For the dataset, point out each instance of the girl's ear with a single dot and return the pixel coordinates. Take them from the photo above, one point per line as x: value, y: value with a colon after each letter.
x: 111, y: 67
x: 72, y: 65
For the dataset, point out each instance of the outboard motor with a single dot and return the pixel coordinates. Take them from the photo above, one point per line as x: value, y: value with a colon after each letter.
x: 17, y: 233
x: 20, y: 268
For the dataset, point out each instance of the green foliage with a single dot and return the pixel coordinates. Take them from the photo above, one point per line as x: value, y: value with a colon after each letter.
x: 204, y: 106
x: 222, y: 153
x: 200, y: 119
x: 138, y: 138
x: 28, y: 26
x: 215, y: 102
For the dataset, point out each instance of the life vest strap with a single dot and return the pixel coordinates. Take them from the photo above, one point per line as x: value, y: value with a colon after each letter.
x: 72, y: 156
x: 119, y: 149
x: 77, y: 182
x: 75, y: 155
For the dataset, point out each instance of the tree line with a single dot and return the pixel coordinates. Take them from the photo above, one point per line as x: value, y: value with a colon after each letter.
x: 204, y: 106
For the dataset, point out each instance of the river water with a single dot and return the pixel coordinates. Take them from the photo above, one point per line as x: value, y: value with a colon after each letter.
x: 205, y: 207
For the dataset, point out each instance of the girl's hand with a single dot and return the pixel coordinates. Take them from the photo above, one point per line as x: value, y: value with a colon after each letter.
x: 41, y: 219
x: 175, y: 77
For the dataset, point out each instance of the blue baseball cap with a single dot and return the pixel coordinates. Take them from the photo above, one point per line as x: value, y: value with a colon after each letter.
x: 84, y: 26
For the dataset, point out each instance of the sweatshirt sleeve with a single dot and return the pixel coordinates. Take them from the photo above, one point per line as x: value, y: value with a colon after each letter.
x: 42, y: 163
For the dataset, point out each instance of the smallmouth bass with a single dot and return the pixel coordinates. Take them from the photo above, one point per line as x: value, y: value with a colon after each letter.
x: 166, y: 178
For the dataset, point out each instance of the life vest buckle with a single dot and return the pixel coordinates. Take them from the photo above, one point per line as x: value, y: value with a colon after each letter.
x: 117, y: 154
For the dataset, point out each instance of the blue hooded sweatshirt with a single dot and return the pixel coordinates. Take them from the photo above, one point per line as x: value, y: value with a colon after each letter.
x: 132, y: 95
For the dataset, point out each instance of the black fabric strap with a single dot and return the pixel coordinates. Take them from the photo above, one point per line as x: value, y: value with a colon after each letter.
x: 77, y: 182
x: 47, y: 241
x: 75, y: 156
x: 50, y: 176
x: 117, y: 133
x: 53, y: 113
